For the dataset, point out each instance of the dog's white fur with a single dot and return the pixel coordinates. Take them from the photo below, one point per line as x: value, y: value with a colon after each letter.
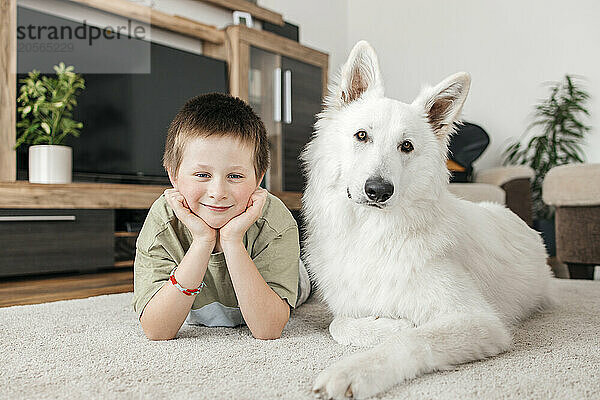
x: 428, y: 279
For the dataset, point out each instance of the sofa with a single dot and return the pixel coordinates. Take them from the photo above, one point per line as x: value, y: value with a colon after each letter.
x: 505, y: 185
x: 574, y: 191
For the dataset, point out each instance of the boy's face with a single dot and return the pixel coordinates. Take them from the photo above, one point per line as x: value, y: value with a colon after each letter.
x: 216, y: 177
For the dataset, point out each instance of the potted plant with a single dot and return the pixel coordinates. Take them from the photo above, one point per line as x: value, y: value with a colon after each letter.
x: 557, y: 143
x: 44, y: 107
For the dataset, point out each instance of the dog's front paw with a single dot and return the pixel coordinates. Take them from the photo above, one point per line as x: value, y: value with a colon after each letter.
x: 358, y: 376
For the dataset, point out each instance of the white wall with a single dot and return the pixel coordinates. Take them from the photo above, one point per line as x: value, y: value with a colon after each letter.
x: 510, y: 47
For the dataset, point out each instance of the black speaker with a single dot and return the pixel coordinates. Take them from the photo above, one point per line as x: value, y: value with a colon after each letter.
x: 288, y: 30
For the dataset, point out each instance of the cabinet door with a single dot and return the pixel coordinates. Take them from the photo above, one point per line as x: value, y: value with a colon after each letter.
x: 302, y: 89
x: 264, y: 96
x: 42, y: 241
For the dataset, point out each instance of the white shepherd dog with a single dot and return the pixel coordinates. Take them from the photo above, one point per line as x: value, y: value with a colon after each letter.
x: 425, y: 278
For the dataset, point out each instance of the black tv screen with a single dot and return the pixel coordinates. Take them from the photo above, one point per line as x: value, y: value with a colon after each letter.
x: 126, y: 116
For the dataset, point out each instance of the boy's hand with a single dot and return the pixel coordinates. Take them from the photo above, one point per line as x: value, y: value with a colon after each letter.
x: 200, y: 230
x: 234, y: 230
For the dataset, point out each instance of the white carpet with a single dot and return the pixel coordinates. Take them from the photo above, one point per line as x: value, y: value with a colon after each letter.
x: 94, y: 348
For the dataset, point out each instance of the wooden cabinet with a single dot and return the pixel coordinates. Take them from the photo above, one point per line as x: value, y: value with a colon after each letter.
x: 69, y: 227
x: 285, y: 83
x: 55, y: 240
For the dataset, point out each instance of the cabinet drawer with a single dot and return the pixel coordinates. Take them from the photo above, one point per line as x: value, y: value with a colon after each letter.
x: 39, y: 241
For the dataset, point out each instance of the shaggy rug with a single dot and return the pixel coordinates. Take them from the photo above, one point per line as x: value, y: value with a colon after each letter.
x: 95, y: 348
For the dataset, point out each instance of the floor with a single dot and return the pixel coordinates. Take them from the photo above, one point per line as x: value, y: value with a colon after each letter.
x: 43, y: 289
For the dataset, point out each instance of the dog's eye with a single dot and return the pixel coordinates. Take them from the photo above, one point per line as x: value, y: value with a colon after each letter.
x: 361, y: 136
x: 406, y: 147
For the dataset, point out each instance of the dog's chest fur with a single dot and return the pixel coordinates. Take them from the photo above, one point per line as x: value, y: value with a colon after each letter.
x: 368, y: 269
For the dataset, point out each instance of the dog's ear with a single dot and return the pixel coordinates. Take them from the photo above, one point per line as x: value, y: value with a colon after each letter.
x: 360, y: 74
x: 443, y: 103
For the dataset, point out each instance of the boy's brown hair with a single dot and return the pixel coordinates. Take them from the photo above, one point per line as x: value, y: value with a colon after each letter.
x: 216, y: 114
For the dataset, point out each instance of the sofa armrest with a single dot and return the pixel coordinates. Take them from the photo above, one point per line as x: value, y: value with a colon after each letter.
x: 515, y: 180
x: 572, y: 185
x: 477, y: 192
x: 500, y: 175
x: 574, y: 190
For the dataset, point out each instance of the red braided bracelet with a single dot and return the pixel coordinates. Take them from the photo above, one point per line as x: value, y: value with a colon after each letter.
x: 187, y: 292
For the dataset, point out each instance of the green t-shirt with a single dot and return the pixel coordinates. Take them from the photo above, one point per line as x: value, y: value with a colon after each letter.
x: 272, y: 243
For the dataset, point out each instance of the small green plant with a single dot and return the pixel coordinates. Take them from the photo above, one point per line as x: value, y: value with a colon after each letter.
x: 559, y: 141
x: 45, y: 105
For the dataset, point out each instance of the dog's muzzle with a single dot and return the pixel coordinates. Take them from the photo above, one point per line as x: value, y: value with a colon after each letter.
x: 378, y: 189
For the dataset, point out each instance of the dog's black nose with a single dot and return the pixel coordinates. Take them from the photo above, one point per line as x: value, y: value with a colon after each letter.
x: 378, y: 189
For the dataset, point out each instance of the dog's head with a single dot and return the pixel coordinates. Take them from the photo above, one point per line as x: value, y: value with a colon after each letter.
x: 388, y: 153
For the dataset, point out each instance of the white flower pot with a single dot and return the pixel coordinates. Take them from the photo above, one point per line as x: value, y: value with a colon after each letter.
x: 50, y: 164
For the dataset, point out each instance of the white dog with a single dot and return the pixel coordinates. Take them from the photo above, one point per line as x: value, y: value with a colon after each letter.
x: 428, y: 279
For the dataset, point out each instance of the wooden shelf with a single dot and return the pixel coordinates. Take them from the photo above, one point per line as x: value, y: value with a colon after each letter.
x: 126, y: 263
x: 157, y: 18
x: 126, y: 234
x: 279, y: 44
x: 22, y: 194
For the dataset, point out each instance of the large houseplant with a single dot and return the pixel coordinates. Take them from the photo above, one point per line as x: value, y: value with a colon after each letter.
x: 558, y: 142
x: 45, y: 107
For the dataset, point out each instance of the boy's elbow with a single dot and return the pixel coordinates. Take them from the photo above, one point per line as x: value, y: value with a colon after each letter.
x: 274, y: 333
x: 267, y: 336
x: 154, y: 337
x: 153, y: 334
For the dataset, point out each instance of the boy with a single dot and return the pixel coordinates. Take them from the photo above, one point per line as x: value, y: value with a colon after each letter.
x: 217, y: 249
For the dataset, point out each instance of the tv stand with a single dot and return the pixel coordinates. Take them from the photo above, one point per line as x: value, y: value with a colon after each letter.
x: 22, y: 194
x: 71, y: 227
x: 80, y: 177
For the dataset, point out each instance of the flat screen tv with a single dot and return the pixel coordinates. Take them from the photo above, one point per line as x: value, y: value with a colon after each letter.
x: 126, y: 116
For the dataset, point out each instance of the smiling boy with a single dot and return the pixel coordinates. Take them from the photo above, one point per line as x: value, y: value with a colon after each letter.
x: 217, y: 249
